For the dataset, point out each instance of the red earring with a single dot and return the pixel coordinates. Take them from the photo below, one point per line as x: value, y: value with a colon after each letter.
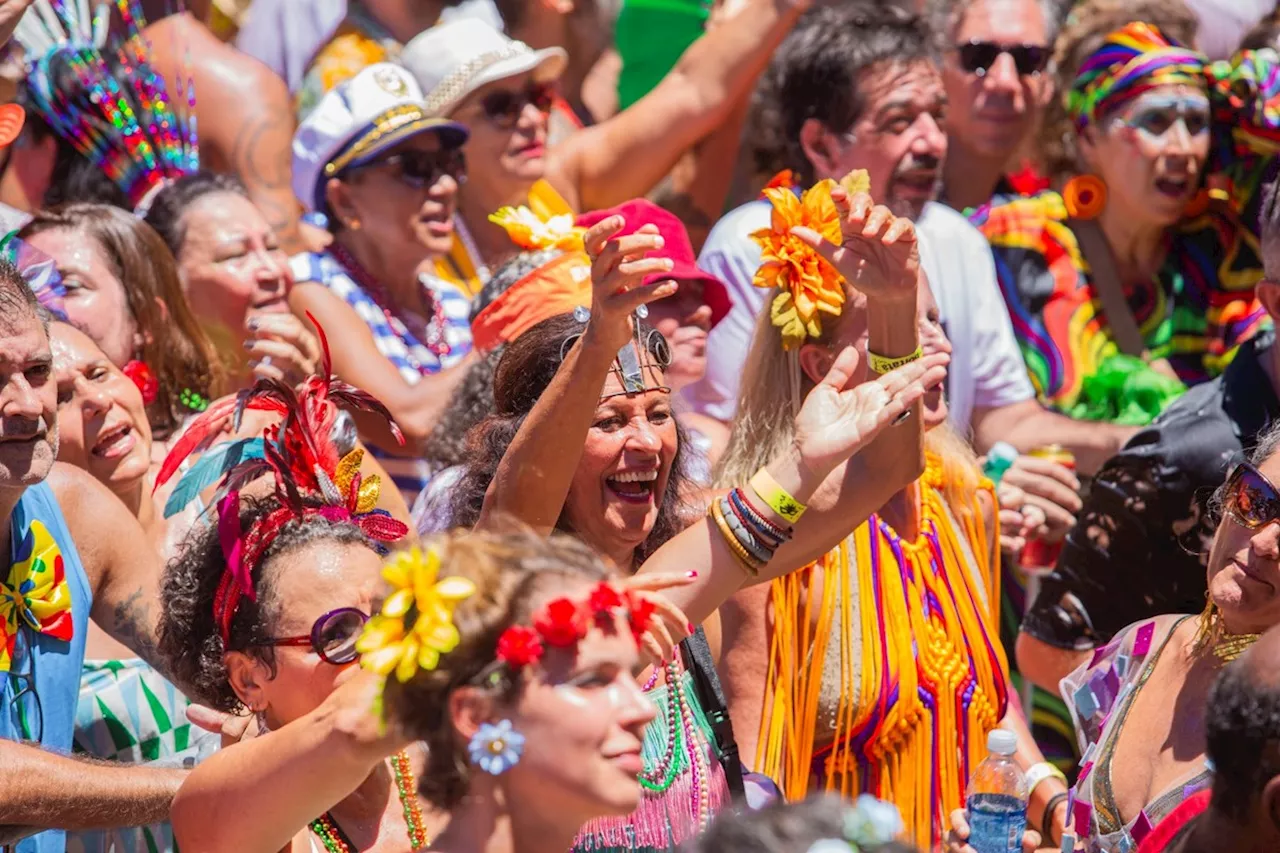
x: 142, y: 376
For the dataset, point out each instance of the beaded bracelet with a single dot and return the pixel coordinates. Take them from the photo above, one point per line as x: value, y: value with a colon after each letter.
x: 748, y: 562
x: 763, y: 526
x: 732, y: 514
x: 761, y: 551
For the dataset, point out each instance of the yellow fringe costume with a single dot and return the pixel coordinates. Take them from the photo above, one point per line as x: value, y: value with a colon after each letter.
x: 914, y: 712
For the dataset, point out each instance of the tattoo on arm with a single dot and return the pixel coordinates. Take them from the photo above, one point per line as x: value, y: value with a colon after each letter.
x: 261, y: 157
x: 133, y: 625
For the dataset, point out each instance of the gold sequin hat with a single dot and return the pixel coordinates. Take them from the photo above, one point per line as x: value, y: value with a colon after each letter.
x: 452, y: 60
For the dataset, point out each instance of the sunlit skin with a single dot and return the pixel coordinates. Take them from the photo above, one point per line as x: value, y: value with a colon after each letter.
x: 633, y: 437
x: 102, y: 422
x: 95, y: 302
x: 510, y: 160
x: 1244, y: 569
x: 684, y: 319
x: 28, y: 402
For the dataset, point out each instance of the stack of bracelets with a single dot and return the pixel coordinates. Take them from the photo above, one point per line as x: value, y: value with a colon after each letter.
x: 751, y: 537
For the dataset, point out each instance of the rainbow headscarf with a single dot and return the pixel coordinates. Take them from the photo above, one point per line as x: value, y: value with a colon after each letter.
x: 1132, y: 60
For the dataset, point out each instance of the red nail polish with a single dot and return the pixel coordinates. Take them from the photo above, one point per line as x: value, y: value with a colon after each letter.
x: 691, y: 574
x: 692, y: 628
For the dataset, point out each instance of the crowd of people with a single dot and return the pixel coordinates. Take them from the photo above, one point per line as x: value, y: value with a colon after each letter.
x: 495, y: 426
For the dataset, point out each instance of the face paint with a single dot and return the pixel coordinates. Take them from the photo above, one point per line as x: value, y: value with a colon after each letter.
x: 1154, y: 116
x: 572, y: 695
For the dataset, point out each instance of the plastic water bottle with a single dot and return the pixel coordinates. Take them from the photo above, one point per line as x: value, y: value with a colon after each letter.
x: 998, y: 798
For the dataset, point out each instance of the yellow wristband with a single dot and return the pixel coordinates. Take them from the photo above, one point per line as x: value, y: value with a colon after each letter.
x: 777, y: 498
x: 882, y: 364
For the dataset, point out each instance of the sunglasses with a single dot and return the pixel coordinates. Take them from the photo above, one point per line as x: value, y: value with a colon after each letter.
x: 422, y: 169
x: 1251, y: 500
x: 504, y: 107
x: 1157, y: 118
x: 333, y: 636
x: 977, y: 57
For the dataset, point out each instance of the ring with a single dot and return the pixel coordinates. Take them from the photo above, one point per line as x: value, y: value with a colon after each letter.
x: 902, y: 418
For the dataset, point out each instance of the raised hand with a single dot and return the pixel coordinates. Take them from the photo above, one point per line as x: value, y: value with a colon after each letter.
x: 879, y: 255
x: 669, y: 625
x: 281, y: 347
x: 839, y: 419
x: 619, y: 267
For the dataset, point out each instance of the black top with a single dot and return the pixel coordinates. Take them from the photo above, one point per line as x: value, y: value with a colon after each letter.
x: 1139, y: 543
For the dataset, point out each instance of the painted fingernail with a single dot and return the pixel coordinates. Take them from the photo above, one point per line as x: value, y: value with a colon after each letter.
x: 691, y: 627
x: 692, y: 573
x: 248, y: 343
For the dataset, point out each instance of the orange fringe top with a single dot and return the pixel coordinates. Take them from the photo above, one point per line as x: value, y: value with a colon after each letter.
x: 914, y: 712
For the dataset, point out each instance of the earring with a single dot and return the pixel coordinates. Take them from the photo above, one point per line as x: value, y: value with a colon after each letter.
x: 495, y: 749
x: 1085, y: 196
x: 140, y: 373
x: 261, y: 718
x: 354, y: 225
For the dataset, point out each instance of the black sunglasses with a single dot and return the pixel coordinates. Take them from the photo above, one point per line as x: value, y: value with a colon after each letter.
x: 333, y: 636
x: 977, y: 57
x: 1251, y: 500
x: 504, y: 107
x: 422, y: 169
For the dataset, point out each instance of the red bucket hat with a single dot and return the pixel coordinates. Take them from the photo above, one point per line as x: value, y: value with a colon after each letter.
x: 639, y: 212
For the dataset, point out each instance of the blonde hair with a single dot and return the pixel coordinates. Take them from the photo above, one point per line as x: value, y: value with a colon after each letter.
x: 512, y: 571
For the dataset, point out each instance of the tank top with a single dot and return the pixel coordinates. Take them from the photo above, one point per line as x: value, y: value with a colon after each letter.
x: 53, y: 664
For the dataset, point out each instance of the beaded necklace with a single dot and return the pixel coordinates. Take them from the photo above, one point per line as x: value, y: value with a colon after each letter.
x: 336, y: 841
x: 432, y: 332
x: 931, y: 681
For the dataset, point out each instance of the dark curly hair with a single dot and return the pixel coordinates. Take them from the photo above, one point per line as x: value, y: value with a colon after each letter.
x: 472, y: 402
x: 513, y: 570
x: 1242, y: 732
x: 189, y: 640
x: 816, y: 71
x: 782, y: 828
x: 526, y: 368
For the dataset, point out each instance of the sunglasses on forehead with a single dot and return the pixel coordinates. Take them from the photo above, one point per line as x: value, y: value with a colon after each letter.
x: 333, y: 636
x: 504, y: 107
x: 977, y: 57
x: 1250, y: 499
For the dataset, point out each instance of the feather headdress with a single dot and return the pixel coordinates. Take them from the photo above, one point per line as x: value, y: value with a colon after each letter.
x: 312, y: 475
x: 108, y: 101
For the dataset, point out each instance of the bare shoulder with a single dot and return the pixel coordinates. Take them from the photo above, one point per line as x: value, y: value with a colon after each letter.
x: 95, y: 517
x: 78, y: 493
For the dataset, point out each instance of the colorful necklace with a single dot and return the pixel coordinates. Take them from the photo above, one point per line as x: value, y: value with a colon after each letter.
x: 432, y: 331
x: 336, y: 841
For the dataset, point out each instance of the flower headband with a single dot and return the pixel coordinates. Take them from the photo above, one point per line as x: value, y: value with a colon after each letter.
x: 809, y: 285
x: 868, y: 824
x: 1132, y: 60
x: 313, y: 476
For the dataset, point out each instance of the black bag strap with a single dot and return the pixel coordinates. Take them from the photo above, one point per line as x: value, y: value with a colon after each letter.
x: 1106, y: 281
x: 697, y: 658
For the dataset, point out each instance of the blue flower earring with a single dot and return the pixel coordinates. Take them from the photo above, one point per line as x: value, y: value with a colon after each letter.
x: 496, y: 748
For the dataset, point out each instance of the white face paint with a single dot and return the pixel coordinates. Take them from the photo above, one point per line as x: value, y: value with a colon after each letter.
x: 573, y: 696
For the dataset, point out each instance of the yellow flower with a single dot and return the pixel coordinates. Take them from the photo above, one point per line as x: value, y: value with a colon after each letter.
x: 809, y: 285
x: 415, y: 625
x: 528, y: 231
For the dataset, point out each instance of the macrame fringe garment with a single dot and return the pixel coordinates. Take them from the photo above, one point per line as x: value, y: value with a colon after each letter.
x: 665, y: 820
x: 932, y: 680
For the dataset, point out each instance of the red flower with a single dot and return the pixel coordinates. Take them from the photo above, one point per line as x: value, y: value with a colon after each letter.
x: 641, y: 615
x: 561, y: 623
x: 519, y: 646
x: 142, y: 376
x: 604, y: 599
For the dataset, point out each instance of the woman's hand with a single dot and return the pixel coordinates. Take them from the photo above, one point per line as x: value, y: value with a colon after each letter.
x: 355, y: 709
x: 957, y: 839
x: 841, y: 416
x: 618, y: 270
x: 1019, y: 519
x: 879, y: 256
x: 1051, y: 488
x: 281, y: 347
x: 669, y: 625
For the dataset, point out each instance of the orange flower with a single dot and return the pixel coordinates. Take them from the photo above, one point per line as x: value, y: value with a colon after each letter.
x: 532, y: 232
x: 808, y: 285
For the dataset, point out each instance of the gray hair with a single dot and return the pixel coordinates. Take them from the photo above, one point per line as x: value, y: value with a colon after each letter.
x: 945, y: 17
x: 1269, y: 230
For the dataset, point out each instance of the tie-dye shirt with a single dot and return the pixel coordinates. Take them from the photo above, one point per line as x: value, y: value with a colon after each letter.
x: 1197, y: 310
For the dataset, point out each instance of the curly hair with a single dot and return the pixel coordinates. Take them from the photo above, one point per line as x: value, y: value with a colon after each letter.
x: 513, y: 571
x: 471, y: 403
x: 526, y: 368
x: 816, y: 72
x: 781, y: 828
x: 189, y: 640
x: 1086, y: 27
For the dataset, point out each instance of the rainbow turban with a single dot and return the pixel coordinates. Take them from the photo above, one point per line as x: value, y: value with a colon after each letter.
x: 1132, y: 60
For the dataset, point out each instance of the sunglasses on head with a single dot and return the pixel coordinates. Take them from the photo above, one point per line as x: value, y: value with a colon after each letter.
x: 421, y: 169
x: 333, y: 636
x: 504, y: 107
x: 977, y: 57
x: 1251, y: 500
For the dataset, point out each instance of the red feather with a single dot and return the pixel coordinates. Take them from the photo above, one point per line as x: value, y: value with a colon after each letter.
x: 196, y: 434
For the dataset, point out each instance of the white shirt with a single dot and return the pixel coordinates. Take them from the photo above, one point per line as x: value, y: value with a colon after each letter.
x: 986, y: 367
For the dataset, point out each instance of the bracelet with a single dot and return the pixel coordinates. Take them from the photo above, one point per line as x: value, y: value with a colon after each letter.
x: 757, y: 549
x: 735, y: 547
x: 1042, y: 770
x: 1046, y: 822
x: 777, y: 498
x: 884, y: 364
x: 763, y: 526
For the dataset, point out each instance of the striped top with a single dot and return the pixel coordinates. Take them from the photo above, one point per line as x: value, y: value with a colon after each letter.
x: 412, y: 357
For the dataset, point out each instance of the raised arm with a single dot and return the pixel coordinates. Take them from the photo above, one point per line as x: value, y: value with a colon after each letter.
x: 628, y: 155
x: 41, y: 790
x: 533, y: 478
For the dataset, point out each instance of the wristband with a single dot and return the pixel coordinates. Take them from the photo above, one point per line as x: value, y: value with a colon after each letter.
x: 1042, y: 770
x: 777, y: 498
x: 883, y: 364
x: 1046, y: 822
